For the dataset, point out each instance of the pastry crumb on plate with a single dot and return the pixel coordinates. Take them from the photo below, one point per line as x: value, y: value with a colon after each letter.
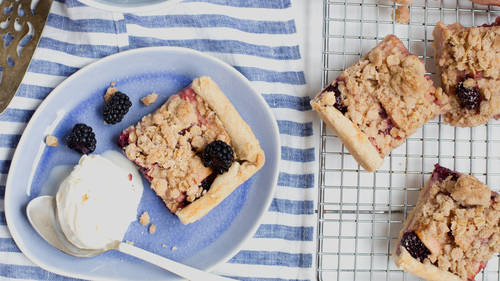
x: 149, y: 99
x: 51, y: 141
x: 144, y: 219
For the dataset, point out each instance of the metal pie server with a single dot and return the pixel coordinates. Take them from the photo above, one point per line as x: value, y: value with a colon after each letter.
x: 21, y: 25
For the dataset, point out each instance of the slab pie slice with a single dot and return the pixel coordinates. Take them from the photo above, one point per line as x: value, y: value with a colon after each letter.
x: 167, y: 146
x: 453, y: 231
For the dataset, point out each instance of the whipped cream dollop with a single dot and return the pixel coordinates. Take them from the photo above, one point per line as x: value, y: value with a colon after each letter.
x: 97, y: 202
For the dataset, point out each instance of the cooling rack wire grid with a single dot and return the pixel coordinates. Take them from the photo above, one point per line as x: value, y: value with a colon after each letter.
x: 360, y: 214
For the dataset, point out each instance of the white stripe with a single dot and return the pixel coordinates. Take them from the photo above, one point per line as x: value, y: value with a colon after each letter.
x: 298, y: 142
x: 293, y: 115
x: 294, y: 193
x: 63, y: 58
x: 24, y: 103
x: 197, y: 8
x: 278, y: 88
x: 11, y: 128
x: 81, y: 12
x: 278, y: 245
x: 213, y: 33
x: 263, y: 271
x: 6, y: 153
x: 83, y: 38
x: 294, y: 167
x: 15, y: 259
x: 43, y: 80
x: 4, y: 232
x: 289, y: 219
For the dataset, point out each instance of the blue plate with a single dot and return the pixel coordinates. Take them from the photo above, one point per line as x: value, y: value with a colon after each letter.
x: 163, y: 70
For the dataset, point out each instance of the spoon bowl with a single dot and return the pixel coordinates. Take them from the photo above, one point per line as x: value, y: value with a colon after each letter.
x: 42, y: 215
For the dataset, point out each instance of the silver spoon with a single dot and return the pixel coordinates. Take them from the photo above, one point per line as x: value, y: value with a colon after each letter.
x: 42, y: 216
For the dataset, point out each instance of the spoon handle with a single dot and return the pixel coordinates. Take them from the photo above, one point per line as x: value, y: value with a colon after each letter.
x: 180, y: 269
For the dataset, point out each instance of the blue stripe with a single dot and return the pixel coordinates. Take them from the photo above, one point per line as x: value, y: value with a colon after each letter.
x: 2, y: 191
x: 295, y: 129
x: 294, y: 207
x: 51, y: 68
x: 81, y: 50
x: 9, y: 140
x: 272, y: 258
x: 30, y: 272
x: 259, y: 74
x: 3, y: 221
x: 16, y: 115
x: 296, y: 154
x: 207, y: 21
x: 292, y: 233
x: 294, y: 180
x: 267, y: 4
x: 221, y: 46
x: 33, y: 91
x: 4, y: 166
x: 7, y: 244
x: 86, y: 25
x: 287, y: 101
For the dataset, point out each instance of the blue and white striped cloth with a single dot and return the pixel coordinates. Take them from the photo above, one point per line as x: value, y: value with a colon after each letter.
x: 259, y: 38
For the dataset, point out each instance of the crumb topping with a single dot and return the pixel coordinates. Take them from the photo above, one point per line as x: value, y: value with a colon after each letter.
x: 110, y: 92
x: 402, y: 14
x: 166, y: 145
x: 458, y: 220
x: 387, y: 95
x: 51, y: 141
x: 149, y: 99
x: 152, y: 229
x: 469, y: 54
x: 144, y: 219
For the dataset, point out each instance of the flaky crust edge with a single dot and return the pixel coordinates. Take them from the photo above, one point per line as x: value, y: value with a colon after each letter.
x: 351, y: 136
x: 249, y: 155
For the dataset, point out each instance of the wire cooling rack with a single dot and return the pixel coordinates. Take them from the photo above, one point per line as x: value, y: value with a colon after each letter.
x: 360, y: 214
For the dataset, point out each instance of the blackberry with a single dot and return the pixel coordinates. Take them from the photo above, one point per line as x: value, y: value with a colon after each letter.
x: 81, y: 139
x: 219, y: 156
x: 469, y: 98
x: 116, y: 108
x: 207, y: 182
x: 414, y: 246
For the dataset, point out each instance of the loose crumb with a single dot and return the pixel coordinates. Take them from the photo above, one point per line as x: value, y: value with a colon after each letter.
x: 144, y: 219
x: 152, y: 229
x: 110, y: 92
x: 51, y: 141
x: 164, y: 245
x: 149, y: 99
x: 403, y: 14
x: 174, y: 248
x: 130, y: 242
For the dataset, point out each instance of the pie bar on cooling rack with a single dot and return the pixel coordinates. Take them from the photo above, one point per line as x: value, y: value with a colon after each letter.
x: 374, y: 105
x: 453, y: 231
x: 186, y: 149
x: 469, y: 63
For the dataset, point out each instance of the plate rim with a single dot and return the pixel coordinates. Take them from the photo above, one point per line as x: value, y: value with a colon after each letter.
x: 277, y: 157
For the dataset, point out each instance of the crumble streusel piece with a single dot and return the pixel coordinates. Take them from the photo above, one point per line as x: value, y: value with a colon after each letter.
x: 167, y: 145
x: 468, y: 60
x: 453, y: 231
x: 51, y: 141
x: 402, y: 14
x: 374, y: 105
x: 149, y: 99
x: 144, y: 219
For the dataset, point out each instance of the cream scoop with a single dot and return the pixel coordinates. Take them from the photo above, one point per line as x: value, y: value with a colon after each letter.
x: 97, y: 202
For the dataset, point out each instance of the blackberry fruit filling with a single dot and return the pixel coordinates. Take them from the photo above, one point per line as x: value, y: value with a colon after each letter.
x: 116, y: 108
x: 441, y: 173
x: 207, y: 182
x: 414, y: 246
x: 81, y: 139
x: 219, y: 156
x: 469, y: 98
